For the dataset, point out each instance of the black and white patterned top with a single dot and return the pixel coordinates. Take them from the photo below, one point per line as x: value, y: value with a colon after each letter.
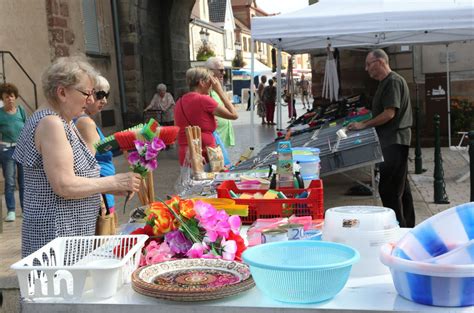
x: 45, y: 214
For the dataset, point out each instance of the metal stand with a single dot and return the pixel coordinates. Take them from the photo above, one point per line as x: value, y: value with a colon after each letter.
x: 372, y: 187
x: 440, y: 196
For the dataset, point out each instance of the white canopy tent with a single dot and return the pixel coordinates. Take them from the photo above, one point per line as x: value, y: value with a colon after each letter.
x: 259, y: 68
x: 367, y: 23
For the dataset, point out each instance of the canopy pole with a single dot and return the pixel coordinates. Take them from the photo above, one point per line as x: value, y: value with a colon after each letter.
x: 252, y: 73
x: 448, y: 94
x: 279, y: 112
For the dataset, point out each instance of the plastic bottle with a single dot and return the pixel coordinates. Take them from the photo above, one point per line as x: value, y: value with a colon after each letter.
x: 299, y: 180
x: 273, y: 182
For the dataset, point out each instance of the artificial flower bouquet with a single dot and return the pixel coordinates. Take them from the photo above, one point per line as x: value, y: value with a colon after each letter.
x: 189, y: 228
x: 143, y: 161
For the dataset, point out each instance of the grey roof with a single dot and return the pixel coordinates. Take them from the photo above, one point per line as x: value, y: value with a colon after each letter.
x: 217, y: 10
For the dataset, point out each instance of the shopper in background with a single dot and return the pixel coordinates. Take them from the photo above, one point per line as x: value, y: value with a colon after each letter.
x: 162, y: 102
x: 269, y: 98
x: 261, y: 110
x: 62, y: 183
x: 392, y: 119
x: 12, y: 120
x: 224, y: 126
x: 91, y: 133
x: 305, y: 89
x: 197, y: 108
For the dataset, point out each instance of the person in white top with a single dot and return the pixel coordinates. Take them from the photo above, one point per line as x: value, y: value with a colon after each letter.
x: 163, y: 103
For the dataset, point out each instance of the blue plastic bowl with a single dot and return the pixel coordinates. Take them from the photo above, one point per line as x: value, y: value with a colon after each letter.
x: 301, y: 271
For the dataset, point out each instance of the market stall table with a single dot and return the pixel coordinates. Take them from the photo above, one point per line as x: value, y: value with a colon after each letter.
x: 370, y: 294
x: 366, y: 294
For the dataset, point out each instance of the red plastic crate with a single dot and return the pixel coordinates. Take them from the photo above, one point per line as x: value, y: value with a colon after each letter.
x: 312, y: 206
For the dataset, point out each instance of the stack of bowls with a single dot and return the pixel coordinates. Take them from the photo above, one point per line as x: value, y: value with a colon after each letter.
x: 433, y: 264
x: 365, y: 228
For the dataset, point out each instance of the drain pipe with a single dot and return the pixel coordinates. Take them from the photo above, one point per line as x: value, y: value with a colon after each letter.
x: 118, y: 53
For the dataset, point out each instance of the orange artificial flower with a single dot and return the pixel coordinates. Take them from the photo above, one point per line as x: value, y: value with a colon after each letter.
x: 164, y: 221
x: 186, y: 208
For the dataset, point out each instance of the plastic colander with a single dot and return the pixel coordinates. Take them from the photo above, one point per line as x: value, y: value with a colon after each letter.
x: 303, y: 271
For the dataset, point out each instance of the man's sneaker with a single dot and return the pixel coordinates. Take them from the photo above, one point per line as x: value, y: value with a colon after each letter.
x: 10, y: 217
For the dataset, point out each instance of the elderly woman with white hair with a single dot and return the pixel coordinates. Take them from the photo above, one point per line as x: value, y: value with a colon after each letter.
x: 162, y: 102
x: 91, y: 134
x: 62, y: 182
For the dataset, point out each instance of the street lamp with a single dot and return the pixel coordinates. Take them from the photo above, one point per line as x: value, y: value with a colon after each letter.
x: 204, y: 36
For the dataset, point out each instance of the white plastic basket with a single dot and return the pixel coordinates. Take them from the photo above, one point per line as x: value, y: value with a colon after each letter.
x: 60, y: 268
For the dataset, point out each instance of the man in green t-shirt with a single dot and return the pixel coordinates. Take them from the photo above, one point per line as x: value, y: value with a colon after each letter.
x: 224, y: 126
x: 392, y: 119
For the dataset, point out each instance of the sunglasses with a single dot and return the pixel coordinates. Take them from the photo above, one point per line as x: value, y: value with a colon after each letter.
x: 219, y: 69
x: 99, y: 95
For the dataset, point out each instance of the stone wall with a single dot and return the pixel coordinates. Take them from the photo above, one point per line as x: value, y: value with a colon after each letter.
x: 155, y: 46
x: 61, y: 36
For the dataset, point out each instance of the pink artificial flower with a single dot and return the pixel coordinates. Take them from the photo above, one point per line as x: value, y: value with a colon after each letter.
x: 150, y: 154
x: 150, y: 165
x: 133, y: 157
x: 160, y: 254
x: 157, y: 144
x: 229, y: 249
x: 196, y: 251
x: 204, y: 211
x: 139, y: 145
x: 151, y: 246
x: 235, y: 223
x: 211, y: 255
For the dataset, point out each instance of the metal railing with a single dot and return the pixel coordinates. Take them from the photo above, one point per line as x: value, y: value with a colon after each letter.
x: 4, y: 78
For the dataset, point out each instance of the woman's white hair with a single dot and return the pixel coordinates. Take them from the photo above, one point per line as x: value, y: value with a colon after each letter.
x: 66, y: 72
x: 161, y: 87
x: 213, y: 62
x: 102, y: 84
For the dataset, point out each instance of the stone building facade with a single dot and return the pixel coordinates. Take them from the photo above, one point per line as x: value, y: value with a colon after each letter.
x: 154, y: 39
x: 153, y: 47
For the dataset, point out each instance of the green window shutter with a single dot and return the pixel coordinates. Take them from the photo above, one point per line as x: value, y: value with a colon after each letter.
x: 91, y: 27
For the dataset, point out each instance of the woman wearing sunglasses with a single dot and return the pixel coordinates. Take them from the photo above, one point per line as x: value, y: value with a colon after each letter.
x: 91, y: 134
x: 63, y: 186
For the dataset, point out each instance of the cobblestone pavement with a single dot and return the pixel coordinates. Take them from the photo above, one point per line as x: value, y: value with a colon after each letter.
x: 335, y: 187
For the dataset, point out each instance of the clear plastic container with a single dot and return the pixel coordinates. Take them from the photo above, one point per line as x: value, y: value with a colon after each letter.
x: 305, y: 151
x: 309, y: 164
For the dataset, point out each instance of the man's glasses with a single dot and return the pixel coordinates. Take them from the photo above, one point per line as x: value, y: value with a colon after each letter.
x: 85, y: 94
x: 221, y: 70
x: 373, y: 61
x: 99, y: 95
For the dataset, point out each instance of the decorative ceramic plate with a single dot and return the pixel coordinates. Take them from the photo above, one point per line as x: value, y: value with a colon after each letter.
x: 192, y: 279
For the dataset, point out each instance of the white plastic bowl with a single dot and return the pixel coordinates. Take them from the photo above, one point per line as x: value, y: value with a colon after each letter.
x: 361, y: 217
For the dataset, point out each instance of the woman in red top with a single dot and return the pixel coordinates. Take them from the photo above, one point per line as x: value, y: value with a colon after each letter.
x: 197, y: 108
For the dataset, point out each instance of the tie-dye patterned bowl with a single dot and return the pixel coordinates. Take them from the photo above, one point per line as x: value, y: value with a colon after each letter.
x: 414, y: 261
